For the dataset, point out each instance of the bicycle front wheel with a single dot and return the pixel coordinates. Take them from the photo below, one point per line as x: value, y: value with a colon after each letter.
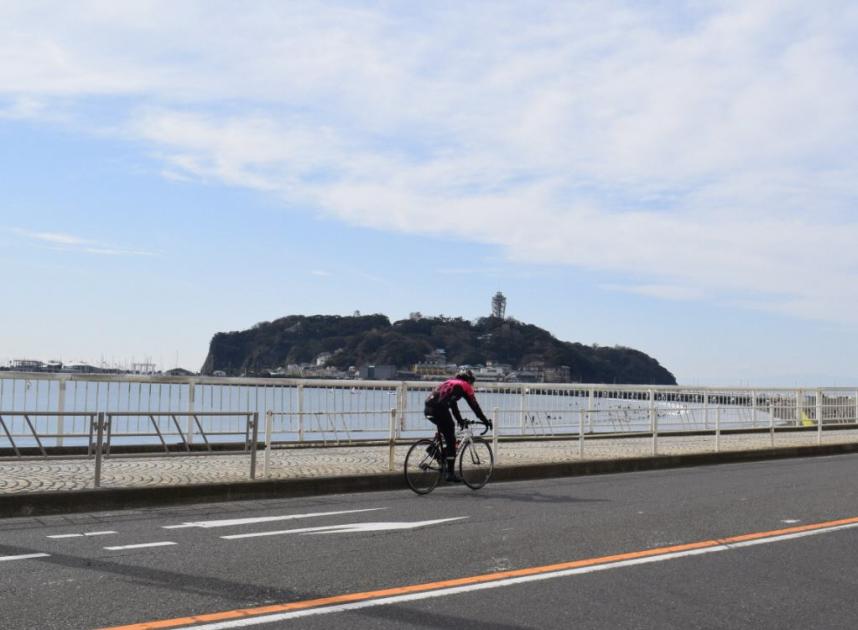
x: 476, y: 463
x: 422, y: 467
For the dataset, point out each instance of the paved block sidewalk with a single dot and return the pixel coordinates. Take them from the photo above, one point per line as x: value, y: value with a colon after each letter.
x: 55, y: 474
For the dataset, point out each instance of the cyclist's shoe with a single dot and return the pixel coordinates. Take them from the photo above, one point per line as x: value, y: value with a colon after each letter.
x: 451, y: 475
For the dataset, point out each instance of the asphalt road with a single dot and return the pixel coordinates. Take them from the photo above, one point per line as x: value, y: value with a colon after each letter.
x: 686, y: 524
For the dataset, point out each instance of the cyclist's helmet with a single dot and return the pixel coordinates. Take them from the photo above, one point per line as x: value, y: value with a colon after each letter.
x: 466, y: 375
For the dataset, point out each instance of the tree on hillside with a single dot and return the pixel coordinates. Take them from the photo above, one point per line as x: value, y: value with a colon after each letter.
x: 372, y: 339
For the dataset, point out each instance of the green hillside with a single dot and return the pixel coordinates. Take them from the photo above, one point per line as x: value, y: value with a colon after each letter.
x: 373, y: 339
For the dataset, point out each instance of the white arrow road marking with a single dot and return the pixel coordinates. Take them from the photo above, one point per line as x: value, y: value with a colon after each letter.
x: 348, y: 528
x: 81, y: 535
x: 263, y: 519
x: 141, y: 546
x: 24, y: 557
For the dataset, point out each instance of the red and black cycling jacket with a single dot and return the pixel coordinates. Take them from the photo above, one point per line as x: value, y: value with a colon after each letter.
x: 448, y: 393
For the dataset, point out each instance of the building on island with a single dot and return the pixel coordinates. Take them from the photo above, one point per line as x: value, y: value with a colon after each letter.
x: 81, y: 368
x: 26, y: 365
x: 492, y: 372
x: 322, y: 359
x: 378, y: 372
x: 434, y: 366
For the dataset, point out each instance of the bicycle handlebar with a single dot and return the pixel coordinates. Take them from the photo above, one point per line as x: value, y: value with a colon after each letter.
x: 486, y: 425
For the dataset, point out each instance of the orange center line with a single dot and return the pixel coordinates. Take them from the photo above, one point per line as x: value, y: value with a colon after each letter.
x: 475, y: 579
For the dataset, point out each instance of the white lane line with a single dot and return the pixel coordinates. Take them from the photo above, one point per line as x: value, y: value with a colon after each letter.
x: 263, y: 519
x: 141, y: 546
x: 813, y: 532
x: 396, y: 599
x: 348, y: 528
x: 24, y: 556
x: 443, y: 592
x: 57, y: 536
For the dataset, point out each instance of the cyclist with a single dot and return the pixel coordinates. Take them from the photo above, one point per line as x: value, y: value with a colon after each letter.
x: 439, y: 405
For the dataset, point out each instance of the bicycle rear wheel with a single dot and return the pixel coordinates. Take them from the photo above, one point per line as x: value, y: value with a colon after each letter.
x: 423, y: 466
x: 476, y: 463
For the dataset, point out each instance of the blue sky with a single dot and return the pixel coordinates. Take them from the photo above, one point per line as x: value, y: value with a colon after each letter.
x: 679, y: 177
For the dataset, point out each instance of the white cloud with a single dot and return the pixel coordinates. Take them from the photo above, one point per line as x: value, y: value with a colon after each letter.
x: 706, y: 145
x: 468, y: 271
x: 666, y: 292
x: 113, y: 251
x: 22, y: 108
x: 52, y: 237
x: 69, y: 242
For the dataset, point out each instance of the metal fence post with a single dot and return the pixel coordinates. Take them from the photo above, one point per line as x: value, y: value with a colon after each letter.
x: 269, y: 421
x: 523, y: 408
x: 392, y: 439
x: 99, y: 443
x: 301, y: 413
x: 191, y: 408
x: 754, y: 409
x: 495, y: 432
x: 61, y: 407
x: 581, y: 433
x: 402, y: 402
x: 856, y: 406
x: 653, y: 421
x: 590, y: 396
x: 253, y: 418
x: 772, y: 423
x: 718, y: 428
x: 799, y: 407
x: 706, y: 411
x: 819, y: 416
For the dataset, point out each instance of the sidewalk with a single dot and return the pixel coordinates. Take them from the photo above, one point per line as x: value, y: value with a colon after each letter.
x: 50, y: 475
x: 342, y: 469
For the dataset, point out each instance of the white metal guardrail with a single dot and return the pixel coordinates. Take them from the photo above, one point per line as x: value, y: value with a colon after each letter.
x: 100, y: 434
x: 58, y: 410
x: 18, y: 424
x: 166, y: 426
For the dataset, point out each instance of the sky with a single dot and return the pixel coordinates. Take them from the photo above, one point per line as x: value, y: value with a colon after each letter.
x: 676, y: 177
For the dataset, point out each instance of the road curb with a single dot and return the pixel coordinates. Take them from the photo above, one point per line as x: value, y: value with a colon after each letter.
x: 43, y: 503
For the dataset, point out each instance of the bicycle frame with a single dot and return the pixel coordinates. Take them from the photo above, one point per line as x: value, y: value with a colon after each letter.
x: 464, y: 436
x: 417, y: 466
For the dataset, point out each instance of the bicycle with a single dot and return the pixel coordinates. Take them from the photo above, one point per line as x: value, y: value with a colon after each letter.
x: 424, y: 463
